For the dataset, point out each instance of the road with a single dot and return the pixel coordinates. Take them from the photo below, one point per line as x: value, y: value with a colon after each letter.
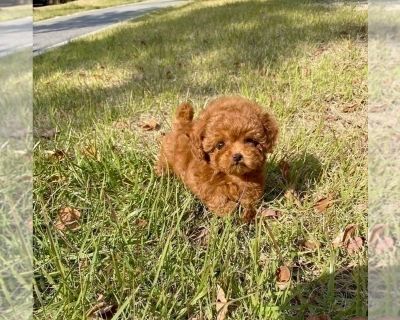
x: 14, y: 35
x: 55, y: 32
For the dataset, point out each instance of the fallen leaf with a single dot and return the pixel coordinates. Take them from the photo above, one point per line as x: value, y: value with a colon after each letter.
x: 378, y: 241
x: 100, y: 297
x: 359, y: 318
x: 68, y: 219
x: 200, y: 236
x: 270, y: 213
x: 377, y: 232
x: 344, y: 237
x: 122, y: 124
x: 349, y: 232
x: 285, y: 169
x: 102, y: 310
x: 384, y: 244
x: 141, y: 223
x: 309, y: 244
x: 323, y: 204
x: 283, y: 277
x: 319, y: 317
x: 354, y: 245
x: 293, y: 196
x: 149, y: 125
x: 221, y: 304
x: 49, y: 133
x: 56, y: 154
x: 90, y: 151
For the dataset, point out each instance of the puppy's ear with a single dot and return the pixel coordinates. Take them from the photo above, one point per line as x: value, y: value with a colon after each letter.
x: 271, y: 131
x: 196, y: 137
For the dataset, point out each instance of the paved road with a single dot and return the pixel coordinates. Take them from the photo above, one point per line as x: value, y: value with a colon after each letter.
x: 51, y: 33
x: 14, y: 35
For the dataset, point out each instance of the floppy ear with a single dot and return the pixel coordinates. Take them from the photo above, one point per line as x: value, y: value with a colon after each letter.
x: 196, y: 137
x: 271, y: 131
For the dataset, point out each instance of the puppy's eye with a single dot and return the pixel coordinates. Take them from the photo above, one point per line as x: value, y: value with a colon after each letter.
x: 220, y: 145
x: 251, y: 141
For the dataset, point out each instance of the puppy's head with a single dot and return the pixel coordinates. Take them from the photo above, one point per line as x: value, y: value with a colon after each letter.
x: 234, y: 134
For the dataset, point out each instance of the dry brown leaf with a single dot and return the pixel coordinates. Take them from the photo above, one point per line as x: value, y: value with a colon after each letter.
x: 378, y: 241
x: 49, y: 133
x: 90, y: 151
x: 150, y: 125
x: 100, y: 297
x: 322, y: 204
x: 283, y: 276
x: 293, y: 196
x: 141, y: 223
x: 221, y: 304
x: 354, y: 245
x: 56, y: 154
x: 285, y: 169
x: 359, y: 318
x: 349, y: 232
x: 122, y: 124
x: 200, y: 236
x: 270, y: 213
x: 377, y: 232
x: 309, y: 244
x: 319, y: 317
x: 101, y: 310
x: 344, y: 237
x: 68, y: 218
x: 384, y: 244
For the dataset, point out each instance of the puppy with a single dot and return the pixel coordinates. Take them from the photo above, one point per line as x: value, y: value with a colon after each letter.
x: 220, y: 156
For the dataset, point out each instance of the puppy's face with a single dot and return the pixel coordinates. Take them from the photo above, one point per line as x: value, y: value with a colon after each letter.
x: 234, y: 140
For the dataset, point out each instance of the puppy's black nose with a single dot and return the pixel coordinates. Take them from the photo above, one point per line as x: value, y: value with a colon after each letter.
x: 237, y: 157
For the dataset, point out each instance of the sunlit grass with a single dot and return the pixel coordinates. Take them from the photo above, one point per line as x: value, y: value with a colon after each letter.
x: 16, y: 186
x: 15, y: 12
x: 137, y: 243
x: 51, y: 11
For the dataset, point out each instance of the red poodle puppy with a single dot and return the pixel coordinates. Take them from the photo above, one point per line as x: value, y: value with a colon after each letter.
x: 220, y: 156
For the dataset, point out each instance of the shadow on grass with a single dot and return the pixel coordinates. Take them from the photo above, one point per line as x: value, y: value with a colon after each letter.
x: 232, y: 39
x: 304, y: 174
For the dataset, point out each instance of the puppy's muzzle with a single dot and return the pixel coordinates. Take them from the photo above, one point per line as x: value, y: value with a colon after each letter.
x: 237, y: 158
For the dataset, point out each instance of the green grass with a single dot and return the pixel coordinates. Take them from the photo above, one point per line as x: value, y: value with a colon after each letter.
x: 384, y: 184
x: 16, y: 186
x: 15, y: 12
x: 137, y: 239
x: 51, y: 11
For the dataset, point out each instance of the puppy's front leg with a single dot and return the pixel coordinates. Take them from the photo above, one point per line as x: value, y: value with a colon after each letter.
x: 221, y: 202
x: 250, y: 196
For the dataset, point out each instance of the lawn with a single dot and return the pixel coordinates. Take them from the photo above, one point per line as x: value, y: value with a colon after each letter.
x: 51, y: 11
x: 144, y: 247
x: 15, y: 12
x: 383, y: 164
x: 16, y: 186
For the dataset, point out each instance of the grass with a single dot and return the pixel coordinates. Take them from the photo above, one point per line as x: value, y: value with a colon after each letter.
x: 145, y: 243
x: 16, y: 186
x: 384, y: 186
x: 15, y: 12
x: 46, y: 12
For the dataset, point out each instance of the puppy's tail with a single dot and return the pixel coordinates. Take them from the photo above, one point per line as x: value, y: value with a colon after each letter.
x: 184, y: 113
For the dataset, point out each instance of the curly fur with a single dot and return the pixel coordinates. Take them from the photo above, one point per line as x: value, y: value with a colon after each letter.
x: 220, y: 156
